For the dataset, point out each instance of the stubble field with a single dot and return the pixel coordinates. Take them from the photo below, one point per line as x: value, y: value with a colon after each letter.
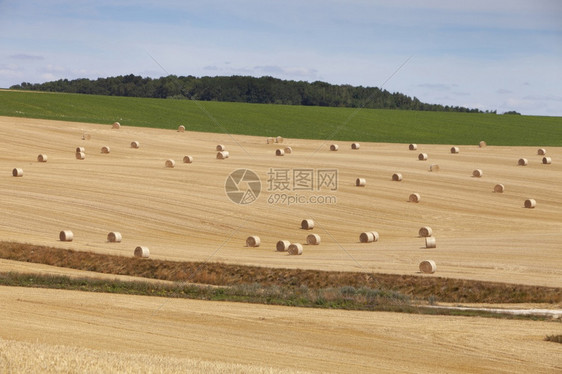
x: 184, y: 214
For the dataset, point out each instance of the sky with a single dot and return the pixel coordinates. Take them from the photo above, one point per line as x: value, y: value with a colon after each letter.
x: 503, y: 55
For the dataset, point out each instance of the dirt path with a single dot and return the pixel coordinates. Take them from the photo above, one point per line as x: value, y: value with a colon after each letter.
x: 552, y: 313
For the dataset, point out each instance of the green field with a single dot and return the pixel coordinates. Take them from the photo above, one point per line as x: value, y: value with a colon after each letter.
x: 374, y: 125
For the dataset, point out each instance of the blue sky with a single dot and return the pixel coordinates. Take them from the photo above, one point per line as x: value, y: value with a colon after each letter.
x: 495, y: 55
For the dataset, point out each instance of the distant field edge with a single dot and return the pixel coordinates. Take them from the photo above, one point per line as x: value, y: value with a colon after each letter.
x: 289, y: 121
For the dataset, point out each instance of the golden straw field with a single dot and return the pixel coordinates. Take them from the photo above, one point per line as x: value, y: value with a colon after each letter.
x: 184, y: 214
x: 107, y: 332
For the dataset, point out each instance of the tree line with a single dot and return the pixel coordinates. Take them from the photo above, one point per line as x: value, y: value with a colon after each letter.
x: 264, y: 90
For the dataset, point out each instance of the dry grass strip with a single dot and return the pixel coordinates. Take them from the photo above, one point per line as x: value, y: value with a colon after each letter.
x: 213, y: 273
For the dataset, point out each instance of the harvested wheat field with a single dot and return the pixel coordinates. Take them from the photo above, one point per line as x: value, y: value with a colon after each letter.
x: 120, y: 333
x: 185, y: 214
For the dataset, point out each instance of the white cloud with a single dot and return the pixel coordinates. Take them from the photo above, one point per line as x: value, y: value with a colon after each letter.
x: 54, y: 69
x: 543, y: 98
x: 10, y: 73
x: 49, y: 77
x: 437, y: 86
x: 26, y: 57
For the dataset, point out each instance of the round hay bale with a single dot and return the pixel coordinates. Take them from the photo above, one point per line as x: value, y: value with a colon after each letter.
x: 415, y: 198
x: 434, y: 167
x: 114, y: 237
x: 522, y: 162
x: 397, y: 177
x: 282, y: 245
x: 223, y: 155
x: 187, y: 159
x: 425, y: 232
x: 170, y: 163
x: 105, y: 149
x: 116, y: 125
x: 279, y: 152
x: 530, y: 203
x: 499, y: 188
x: 455, y: 150
x: 360, y: 182
x: 86, y: 136
x: 413, y: 147
x: 288, y: 150
x: 80, y: 155
x: 541, y: 151
x: 430, y: 242
x: 253, y: 241
x: 422, y: 156
x: 17, y: 172
x: 181, y: 128
x: 366, y: 237
x: 270, y: 140
x: 477, y: 173
x: 42, y: 157
x: 482, y: 144
x: 220, y: 148
x: 546, y: 160
x: 66, y: 236
x: 369, y: 237
x: 80, y: 149
x: 142, y: 252
x: 334, y: 147
x: 428, y: 266
x: 295, y: 249
x: 313, y: 239
x: 355, y: 145
x: 279, y: 139
x: 135, y: 144
x: 307, y: 224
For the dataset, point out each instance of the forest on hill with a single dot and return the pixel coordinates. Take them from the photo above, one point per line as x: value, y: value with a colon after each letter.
x: 263, y: 90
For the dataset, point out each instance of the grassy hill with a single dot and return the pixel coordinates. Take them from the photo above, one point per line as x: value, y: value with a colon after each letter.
x: 376, y: 125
